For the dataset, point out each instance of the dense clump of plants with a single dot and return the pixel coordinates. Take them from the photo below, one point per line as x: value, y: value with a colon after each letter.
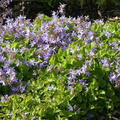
x: 59, y: 68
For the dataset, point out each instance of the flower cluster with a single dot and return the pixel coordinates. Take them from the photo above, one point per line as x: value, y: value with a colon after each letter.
x: 23, y: 43
x: 102, y: 51
x: 5, y: 10
x: 26, y: 46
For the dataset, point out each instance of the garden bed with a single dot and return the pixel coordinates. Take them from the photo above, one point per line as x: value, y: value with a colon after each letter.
x: 59, y: 68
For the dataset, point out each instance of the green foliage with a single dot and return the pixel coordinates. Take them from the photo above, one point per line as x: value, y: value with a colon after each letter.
x: 48, y: 96
x: 100, y: 3
x: 40, y: 20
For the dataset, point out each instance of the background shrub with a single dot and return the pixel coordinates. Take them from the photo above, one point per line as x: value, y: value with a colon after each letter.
x: 93, y: 8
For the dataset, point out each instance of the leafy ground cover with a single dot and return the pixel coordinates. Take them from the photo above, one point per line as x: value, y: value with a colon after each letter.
x: 59, y: 68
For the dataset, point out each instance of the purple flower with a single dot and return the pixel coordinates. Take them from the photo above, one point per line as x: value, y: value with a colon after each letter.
x: 61, y: 8
x: 90, y: 37
x: 101, y: 44
x: 107, y: 34
x: 43, y: 65
x: 5, y: 98
x: 2, y: 58
x: 51, y: 87
x: 70, y: 87
x: 17, y: 63
x: 113, y: 77
x: 26, y: 63
x: 33, y: 62
x: 83, y: 82
x: 10, y: 113
x: 99, y: 22
x: 70, y: 108
x: 105, y: 62
x: 41, y: 16
x: 88, y: 73
x: 84, y: 69
x: 16, y: 35
x: 80, y: 57
x: 22, y: 88
x: 92, y: 52
x: 72, y: 74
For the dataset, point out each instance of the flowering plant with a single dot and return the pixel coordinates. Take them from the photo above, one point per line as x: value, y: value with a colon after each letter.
x: 63, y: 68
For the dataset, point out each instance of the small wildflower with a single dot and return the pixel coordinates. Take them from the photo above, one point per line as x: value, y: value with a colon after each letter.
x: 51, y: 87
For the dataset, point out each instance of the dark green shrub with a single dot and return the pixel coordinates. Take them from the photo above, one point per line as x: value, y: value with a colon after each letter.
x: 31, y: 8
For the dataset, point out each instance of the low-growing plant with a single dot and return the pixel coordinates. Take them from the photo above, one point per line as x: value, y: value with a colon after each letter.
x: 27, y: 46
x: 59, y: 68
